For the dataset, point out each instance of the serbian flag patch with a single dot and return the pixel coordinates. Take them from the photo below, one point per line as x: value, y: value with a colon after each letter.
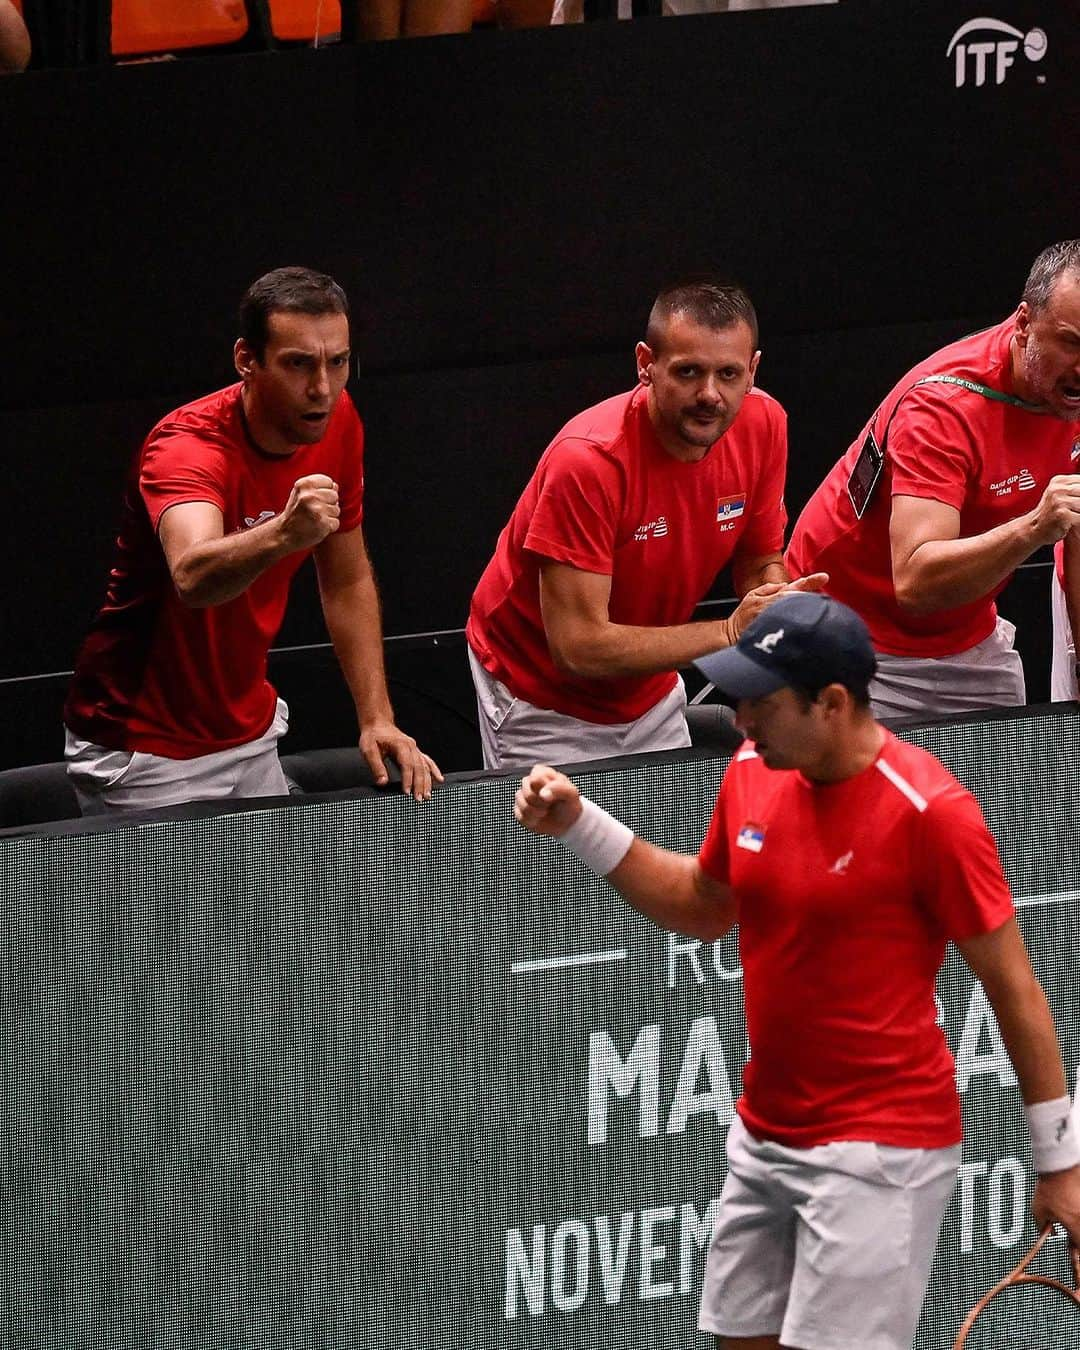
x: 751, y: 837
x: 730, y: 508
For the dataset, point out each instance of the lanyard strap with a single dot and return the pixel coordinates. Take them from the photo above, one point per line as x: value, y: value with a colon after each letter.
x: 996, y: 395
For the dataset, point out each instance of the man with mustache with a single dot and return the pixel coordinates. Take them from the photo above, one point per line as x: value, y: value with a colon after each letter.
x: 227, y: 497
x: 967, y: 468
x: 581, y: 619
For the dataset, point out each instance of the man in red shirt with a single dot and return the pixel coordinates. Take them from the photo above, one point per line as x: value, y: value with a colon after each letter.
x: 581, y: 618
x: 960, y: 475
x: 227, y: 497
x: 848, y: 859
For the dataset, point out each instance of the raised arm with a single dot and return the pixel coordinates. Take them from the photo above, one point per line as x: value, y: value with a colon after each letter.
x: 672, y: 889
x: 585, y: 642
x: 350, y: 602
x: 933, y: 568
x: 209, y: 567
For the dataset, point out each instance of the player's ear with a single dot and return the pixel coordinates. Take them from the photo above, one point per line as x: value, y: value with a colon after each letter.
x: 243, y: 359
x: 834, y: 699
x: 755, y: 361
x: 1023, y: 323
x: 644, y: 354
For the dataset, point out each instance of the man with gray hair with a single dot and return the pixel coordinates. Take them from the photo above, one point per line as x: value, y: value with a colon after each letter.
x: 966, y: 468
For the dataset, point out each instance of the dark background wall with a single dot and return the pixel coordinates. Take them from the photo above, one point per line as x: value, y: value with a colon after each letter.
x: 501, y: 207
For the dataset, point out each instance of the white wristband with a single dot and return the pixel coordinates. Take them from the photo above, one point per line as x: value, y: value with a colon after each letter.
x: 598, y: 839
x: 1054, y: 1142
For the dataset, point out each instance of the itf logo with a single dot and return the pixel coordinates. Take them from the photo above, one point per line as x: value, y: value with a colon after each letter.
x: 982, y: 45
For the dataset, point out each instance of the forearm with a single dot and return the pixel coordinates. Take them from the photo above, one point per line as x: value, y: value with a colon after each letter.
x: 214, y: 571
x: 943, y: 573
x: 611, y: 650
x: 668, y: 888
x: 752, y: 572
x: 354, y: 622
x: 1027, y: 1029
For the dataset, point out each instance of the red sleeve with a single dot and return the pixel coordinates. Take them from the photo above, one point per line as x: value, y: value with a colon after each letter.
x: 713, y: 856
x: 350, y: 479
x: 179, y: 467
x: 930, y: 448
x: 577, y: 511
x: 963, y: 885
x: 764, y: 533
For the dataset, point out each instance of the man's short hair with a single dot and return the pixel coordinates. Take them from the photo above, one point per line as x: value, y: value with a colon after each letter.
x: 858, y: 689
x: 706, y: 301
x: 295, y: 289
x: 1052, y: 263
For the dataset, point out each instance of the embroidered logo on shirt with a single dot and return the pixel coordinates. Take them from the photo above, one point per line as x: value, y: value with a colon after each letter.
x: 769, y: 641
x: 751, y: 837
x: 840, y: 866
x: 655, y: 529
x: 251, y: 521
x: 1074, y: 453
x: 729, y: 509
x: 1004, y: 486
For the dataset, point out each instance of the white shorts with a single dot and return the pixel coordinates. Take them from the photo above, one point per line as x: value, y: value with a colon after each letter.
x: 828, y: 1248
x: 131, y: 780
x: 516, y: 734
x: 988, y: 675
x: 1063, y: 657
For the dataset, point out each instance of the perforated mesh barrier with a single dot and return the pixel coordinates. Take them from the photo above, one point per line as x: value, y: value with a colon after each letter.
x: 348, y: 1074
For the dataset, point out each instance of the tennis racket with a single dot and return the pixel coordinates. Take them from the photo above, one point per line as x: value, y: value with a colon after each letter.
x: 1019, y: 1275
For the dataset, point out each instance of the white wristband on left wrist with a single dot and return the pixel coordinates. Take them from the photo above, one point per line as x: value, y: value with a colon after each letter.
x: 1055, y: 1144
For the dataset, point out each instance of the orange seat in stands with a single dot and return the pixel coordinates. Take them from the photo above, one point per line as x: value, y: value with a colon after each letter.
x: 301, y: 20
x: 141, y: 26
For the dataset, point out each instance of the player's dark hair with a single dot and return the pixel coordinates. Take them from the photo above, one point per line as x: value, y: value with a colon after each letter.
x: 706, y: 301
x: 859, y: 691
x: 1052, y: 263
x: 296, y: 289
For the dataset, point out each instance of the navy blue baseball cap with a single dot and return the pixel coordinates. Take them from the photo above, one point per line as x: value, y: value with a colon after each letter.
x: 803, y: 640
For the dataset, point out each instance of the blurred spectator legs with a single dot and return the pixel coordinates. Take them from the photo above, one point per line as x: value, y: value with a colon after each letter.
x: 376, y: 19
x: 523, y: 13
x: 14, y: 40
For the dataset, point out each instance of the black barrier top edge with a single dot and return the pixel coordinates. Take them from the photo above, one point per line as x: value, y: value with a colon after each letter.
x: 615, y: 764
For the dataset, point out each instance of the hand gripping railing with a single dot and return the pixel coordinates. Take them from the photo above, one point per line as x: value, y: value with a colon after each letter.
x: 1019, y: 1275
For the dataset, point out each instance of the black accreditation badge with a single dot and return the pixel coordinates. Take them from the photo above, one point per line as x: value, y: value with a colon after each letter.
x: 863, y: 479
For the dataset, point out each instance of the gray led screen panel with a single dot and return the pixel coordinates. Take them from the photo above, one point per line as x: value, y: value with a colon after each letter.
x: 360, y: 1073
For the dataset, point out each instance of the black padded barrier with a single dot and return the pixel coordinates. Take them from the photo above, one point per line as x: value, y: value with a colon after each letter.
x: 343, y: 1073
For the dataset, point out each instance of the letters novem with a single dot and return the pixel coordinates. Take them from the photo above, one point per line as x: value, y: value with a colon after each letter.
x: 649, y: 1254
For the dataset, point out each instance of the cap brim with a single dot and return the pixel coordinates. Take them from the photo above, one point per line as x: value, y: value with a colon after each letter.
x: 737, y: 676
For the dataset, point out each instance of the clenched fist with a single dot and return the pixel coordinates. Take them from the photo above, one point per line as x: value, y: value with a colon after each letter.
x: 311, y: 513
x: 1059, y: 510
